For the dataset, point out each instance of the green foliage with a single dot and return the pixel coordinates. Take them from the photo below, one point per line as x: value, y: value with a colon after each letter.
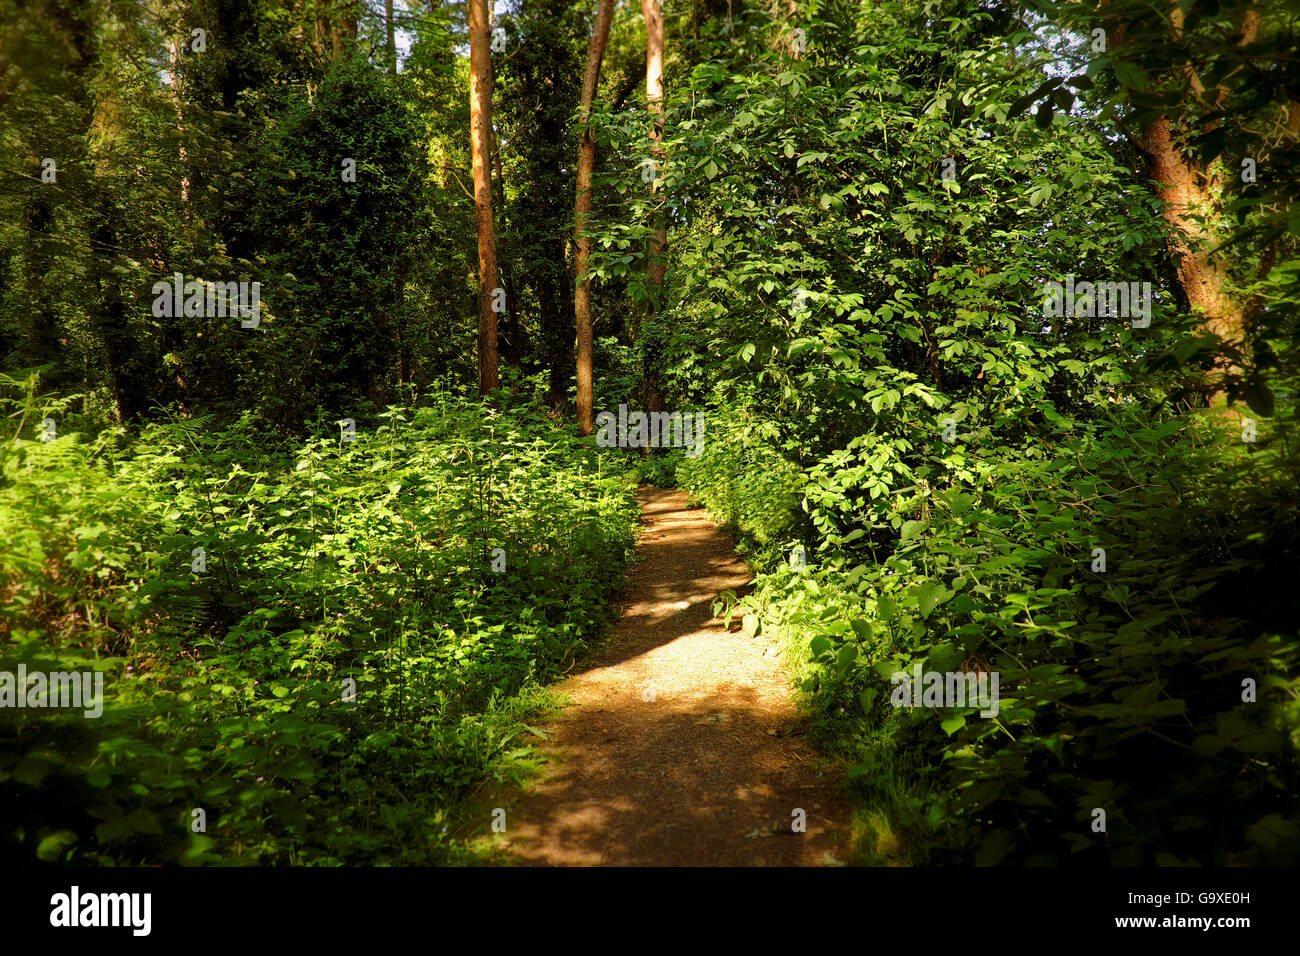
x: 327, y: 561
x: 228, y: 165
x: 859, y: 239
x: 742, y: 479
x: 954, y: 455
x: 1120, y: 690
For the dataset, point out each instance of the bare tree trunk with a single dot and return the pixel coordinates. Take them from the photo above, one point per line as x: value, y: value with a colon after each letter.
x: 507, y: 274
x: 581, y: 210
x: 480, y: 119
x: 654, y: 85
x: 392, y: 41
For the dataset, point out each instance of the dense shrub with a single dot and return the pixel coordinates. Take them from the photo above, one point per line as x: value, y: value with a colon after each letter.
x: 1120, y: 690
x: 369, y: 561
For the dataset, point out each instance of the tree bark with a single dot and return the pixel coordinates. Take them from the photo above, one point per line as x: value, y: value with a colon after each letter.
x: 514, y: 346
x: 654, y: 84
x: 1188, y: 191
x: 480, y: 118
x: 582, y: 210
x: 1192, y: 195
x: 392, y: 41
x: 343, y: 32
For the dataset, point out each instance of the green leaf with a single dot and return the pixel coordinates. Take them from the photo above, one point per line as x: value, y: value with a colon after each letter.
x: 52, y: 847
x: 99, y: 776
x: 1132, y: 75
x: 929, y: 595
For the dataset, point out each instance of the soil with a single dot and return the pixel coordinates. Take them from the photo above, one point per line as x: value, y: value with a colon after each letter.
x: 682, y: 744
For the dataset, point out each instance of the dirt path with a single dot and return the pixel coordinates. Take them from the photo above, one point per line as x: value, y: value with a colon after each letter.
x: 673, y: 750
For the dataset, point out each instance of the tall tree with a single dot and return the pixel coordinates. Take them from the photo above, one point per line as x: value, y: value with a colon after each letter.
x: 537, y: 89
x: 1193, y: 194
x: 480, y: 120
x: 654, y: 86
x: 343, y: 30
x: 388, y: 30
x: 582, y: 209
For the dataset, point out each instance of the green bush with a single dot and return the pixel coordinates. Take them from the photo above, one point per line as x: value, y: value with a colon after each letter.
x: 369, y: 561
x: 742, y: 479
x: 1120, y: 690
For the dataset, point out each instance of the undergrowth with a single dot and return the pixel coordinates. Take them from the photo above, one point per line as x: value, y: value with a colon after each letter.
x: 1160, y: 687
x: 311, y: 650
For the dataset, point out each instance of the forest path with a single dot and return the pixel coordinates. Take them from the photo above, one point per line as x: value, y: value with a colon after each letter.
x: 681, y: 745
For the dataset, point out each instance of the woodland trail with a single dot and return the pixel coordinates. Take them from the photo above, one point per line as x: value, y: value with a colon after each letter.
x: 710, y: 770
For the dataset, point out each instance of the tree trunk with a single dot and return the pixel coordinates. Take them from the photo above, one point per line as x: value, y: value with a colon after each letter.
x: 654, y: 85
x: 343, y: 32
x: 321, y: 31
x: 392, y: 41
x: 480, y: 118
x: 1189, y: 191
x: 507, y: 274
x: 581, y: 210
x: 1193, y: 196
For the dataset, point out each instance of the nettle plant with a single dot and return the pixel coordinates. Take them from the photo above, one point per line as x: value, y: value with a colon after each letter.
x: 310, y: 640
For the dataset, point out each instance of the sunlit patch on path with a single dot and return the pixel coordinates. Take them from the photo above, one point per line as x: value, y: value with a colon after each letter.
x: 676, y: 749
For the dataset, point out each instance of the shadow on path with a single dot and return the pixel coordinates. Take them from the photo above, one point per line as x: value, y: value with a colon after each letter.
x: 672, y: 751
